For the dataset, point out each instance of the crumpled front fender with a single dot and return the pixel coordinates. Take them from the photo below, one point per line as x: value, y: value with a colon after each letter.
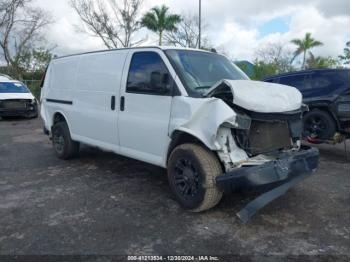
x: 201, y: 118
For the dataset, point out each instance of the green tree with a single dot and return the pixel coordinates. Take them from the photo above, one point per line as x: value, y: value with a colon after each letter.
x: 262, y: 70
x: 345, y: 58
x: 304, y: 45
x: 159, y: 20
x: 321, y: 62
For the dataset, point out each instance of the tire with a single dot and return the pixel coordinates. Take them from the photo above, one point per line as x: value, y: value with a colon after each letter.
x: 63, y: 145
x: 318, y: 126
x: 33, y: 116
x: 192, y: 170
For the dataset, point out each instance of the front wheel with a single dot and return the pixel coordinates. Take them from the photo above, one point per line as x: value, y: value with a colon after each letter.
x: 62, y: 142
x: 192, y: 170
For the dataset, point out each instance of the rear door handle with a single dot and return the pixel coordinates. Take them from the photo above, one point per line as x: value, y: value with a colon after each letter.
x: 113, y: 103
x: 122, y: 103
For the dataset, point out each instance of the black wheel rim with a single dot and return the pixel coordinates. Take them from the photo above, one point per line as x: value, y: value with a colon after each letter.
x: 58, y: 141
x: 316, y: 127
x: 186, y: 178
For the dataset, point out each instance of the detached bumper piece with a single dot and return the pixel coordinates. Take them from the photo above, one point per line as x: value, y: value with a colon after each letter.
x: 289, y: 169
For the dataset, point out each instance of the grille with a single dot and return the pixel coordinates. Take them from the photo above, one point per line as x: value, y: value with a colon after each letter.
x: 18, y: 104
x: 264, y: 137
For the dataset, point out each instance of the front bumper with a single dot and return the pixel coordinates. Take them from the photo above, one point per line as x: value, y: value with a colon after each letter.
x: 28, y: 112
x: 289, y: 169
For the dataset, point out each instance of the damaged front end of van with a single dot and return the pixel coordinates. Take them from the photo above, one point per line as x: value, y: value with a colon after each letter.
x: 255, y: 129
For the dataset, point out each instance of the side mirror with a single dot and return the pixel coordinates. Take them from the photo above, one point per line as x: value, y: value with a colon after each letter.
x: 160, y: 82
x: 156, y: 79
x: 166, y: 79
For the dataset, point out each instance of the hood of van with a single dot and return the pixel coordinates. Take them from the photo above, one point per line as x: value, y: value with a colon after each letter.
x: 4, y: 96
x: 259, y: 96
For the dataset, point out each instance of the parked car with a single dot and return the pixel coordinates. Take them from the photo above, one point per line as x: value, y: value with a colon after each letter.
x: 192, y: 112
x: 327, y: 93
x: 16, y: 99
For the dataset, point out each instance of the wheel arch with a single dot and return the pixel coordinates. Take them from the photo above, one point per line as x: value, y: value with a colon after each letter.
x: 59, y: 116
x: 179, y: 137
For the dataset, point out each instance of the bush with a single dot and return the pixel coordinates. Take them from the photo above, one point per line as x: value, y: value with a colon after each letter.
x: 34, y: 87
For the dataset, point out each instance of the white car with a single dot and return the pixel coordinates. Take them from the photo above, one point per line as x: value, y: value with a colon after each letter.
x: 3, y: 76
x: 190, y: 111
x: 16, y: 99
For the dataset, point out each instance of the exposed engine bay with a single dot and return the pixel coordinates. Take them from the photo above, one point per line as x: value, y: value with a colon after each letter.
x: 259, y: 135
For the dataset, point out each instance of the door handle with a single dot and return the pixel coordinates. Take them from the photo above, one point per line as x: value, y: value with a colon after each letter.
x: 113, y: 103
x: 122, y: 103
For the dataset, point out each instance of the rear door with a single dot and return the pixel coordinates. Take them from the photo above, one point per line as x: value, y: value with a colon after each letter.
x: 145, y: 106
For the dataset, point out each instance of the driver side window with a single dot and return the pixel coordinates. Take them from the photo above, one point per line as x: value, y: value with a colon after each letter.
x: 148, y: 75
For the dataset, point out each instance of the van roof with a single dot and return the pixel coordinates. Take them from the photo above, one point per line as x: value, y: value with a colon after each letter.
x: 307, y: 72
x: 139, y: 47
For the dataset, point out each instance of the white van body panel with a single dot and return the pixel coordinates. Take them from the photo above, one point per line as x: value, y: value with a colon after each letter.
x: 98, y: 79
x: 59, y: 81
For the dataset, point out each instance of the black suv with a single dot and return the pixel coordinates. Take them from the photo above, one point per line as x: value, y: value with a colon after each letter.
x: 327, y: 93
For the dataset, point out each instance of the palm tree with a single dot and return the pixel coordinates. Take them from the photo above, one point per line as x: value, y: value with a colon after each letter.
x: 303, y: 45
x: 346, y: 57
x: 158, y: 20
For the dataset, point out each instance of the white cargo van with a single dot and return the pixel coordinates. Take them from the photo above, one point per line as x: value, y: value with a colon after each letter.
x: 190, y: 111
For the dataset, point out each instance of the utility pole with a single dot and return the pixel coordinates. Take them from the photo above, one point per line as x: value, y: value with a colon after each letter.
x: 200, y: 24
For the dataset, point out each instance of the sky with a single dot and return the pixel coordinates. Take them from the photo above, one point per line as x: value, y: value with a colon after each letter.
x: 237, y: 27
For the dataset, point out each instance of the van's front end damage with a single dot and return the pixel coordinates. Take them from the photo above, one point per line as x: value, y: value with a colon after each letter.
x: 274, y: 158
x: 269, y: 134
x: 255, y: 128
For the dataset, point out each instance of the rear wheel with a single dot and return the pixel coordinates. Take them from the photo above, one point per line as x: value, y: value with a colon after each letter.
x: 318, y: 126
x: 62, y: 142
x: 192, y: 170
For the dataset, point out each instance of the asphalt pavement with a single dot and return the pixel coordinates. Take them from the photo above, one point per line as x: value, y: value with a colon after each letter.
x: 104, y: 204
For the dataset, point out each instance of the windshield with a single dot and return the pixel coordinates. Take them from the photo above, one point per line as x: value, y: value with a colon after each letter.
x: 201, y: 70
x: 8, y: 87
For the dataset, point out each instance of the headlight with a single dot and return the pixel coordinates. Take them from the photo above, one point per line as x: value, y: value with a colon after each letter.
x: 33, y: 102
